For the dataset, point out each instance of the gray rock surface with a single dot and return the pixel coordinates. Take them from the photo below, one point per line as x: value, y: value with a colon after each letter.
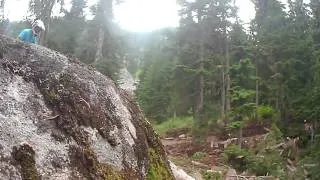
x: 60, y: 119
x: 126, y: 81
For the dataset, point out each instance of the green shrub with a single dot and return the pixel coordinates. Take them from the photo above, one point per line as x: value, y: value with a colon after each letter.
x: 238, y: 158
x: 173, y: 123
x: 275, y: 134
x: 266, y: 112
x: 211, y: 175
x: 310, y: 161
x: 270, y: 163
x: 199, y: 155
x: 235, y: 125
x: 293, y: 129
x: 246, y: 110
x: 199, y: 133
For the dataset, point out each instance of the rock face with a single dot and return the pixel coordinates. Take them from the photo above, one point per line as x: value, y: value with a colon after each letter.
x: 60, y: 119
x: 126, y: 81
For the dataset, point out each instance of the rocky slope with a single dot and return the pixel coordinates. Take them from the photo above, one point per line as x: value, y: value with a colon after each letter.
x: 60, y: 119
x: 126, y: 81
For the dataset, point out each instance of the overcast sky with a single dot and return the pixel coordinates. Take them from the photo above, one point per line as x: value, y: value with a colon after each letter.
x: 137, y: 15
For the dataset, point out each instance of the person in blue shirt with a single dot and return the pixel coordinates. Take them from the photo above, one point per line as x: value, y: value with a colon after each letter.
x: 32, y: 35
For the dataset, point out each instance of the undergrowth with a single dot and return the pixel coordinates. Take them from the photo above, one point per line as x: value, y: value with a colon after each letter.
x: 174, y: 124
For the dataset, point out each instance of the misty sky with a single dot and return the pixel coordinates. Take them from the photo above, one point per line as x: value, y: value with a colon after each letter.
x: 137, y: 15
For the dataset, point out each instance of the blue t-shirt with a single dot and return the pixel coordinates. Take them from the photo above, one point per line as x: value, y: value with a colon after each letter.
x: 27, y: 36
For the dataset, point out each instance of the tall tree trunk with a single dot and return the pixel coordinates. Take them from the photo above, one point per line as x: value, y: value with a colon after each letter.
x: 105, y: 14
x: 240, y: 137
x: 223, y: 94
x: 257, y: 90
x: 199, y: 106
x: 44, y: 35
x: 277, y: 99
x: 228, y: 82
x: 99, y: 44
x: 200, y: 88
x: 44, y: 13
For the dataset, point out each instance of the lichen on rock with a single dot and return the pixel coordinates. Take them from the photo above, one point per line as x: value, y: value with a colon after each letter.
x: 75, y: 121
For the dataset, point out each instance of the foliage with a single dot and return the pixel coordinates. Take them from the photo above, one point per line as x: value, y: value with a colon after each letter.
x: 235, y: 125
x: 212, y: 175
x: 243, y: 160
x: 156, y: 92
x: 73, y: 35
x: 266, y: 112
x: 109, y: 67
x: 173, y: 123
x: 310, y: 161
x: 260, y: 161
x: 294, y: 130
x: 14, y: 28
x: 210, y: 67
x: 239, y: 158
x: 199, y: 155
x: 307, y: 106
x: 275, y: 133
x: 247, y: 111
x: 157, y: 167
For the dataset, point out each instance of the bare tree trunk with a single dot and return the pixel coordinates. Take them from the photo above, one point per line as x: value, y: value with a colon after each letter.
x: 106, y: 14
x: 200, y: 88
x: 99, y: 44
x: 240, y: 137
x: 223, y: 95
x: 199, y: 106
x: 228, y: 83
x: 44, y: 35
x: 257, y: 90
x: 277, y: 99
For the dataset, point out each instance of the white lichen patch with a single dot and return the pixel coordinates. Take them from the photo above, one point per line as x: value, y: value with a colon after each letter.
x: 121, y: 112
x: 20, y: 124
x: 8, y: 171
x: 111, y: 155
x: 124, y: 116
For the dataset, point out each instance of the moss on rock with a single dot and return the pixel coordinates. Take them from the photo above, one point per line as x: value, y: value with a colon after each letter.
x: 157, y: 167
x: 87, y: 163
x: 24, y: 155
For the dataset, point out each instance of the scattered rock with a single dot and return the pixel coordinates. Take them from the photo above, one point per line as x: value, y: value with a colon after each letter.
x: 169, y: 138
x: 200, y: 164
x: 179, y: 173
x: 231, y: 174
x: 182, y: 136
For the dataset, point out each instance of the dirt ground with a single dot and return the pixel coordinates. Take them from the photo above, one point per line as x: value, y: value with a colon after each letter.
x: 205, y: 157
